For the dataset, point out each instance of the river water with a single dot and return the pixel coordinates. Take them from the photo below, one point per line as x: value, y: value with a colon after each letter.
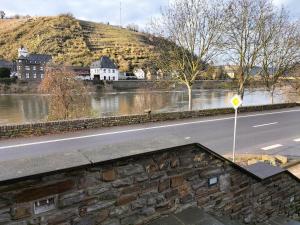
x: 23, y: 108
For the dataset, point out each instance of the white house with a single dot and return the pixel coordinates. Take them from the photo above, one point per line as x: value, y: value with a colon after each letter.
x: 139, y: 73
x: 104, y: 69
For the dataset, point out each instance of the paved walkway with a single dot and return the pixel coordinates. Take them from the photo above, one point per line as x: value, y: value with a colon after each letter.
x: 195, y: 216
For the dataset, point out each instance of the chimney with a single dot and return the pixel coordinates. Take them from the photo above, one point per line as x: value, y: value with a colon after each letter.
x: 22, y: 51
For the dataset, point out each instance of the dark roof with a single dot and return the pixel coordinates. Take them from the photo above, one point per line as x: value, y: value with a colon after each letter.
x: 264, y: 170
x: 37, y: 58
x: 78, y: 67
x: 79, y: 70
x: 104, y: 62
x: 5, y: 64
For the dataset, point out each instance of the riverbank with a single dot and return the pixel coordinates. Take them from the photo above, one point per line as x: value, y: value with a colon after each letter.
x: 24, y: 87
x: 12, y: 86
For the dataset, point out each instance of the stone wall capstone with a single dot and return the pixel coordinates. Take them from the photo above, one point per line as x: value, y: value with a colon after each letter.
x: 137, y: 189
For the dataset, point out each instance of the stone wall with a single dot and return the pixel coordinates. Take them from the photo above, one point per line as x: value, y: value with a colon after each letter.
x: 199, y: 84
x: 137, y: 189
x: 43, y: 128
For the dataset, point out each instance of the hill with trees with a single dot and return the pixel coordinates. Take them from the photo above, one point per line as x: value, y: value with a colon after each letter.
x: 75, y: 42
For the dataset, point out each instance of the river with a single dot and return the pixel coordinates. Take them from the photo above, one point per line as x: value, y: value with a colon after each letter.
x: 16, y: 108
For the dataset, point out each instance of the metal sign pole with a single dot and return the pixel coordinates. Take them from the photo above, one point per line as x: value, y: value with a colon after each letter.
x: 236, y: 102
x: 234, y: 136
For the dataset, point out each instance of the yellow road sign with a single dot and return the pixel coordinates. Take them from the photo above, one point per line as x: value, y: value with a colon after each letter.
x: 236, y: 101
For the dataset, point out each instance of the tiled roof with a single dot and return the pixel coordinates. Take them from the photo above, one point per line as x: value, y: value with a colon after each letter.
x: 37, y: 58
x: 104, y: 62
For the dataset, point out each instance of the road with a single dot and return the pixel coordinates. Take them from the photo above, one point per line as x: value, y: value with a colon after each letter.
x: 270, y: 132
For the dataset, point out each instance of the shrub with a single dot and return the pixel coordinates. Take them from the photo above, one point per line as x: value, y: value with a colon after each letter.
x: 4, y: 73
x: 8, y: 80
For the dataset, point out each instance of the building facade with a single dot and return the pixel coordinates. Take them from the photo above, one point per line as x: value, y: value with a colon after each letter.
x: 82, y: 73
x: 104, y: 69
x: 31, y: 66
x: 139, y: 73
x: 9, y: 65
x: 126, y: 189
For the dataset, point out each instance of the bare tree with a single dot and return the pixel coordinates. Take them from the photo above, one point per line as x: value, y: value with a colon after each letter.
x: 133, y: 27
x: 189, y: 31
x: 2, y: 14
x: 245, y: 25
x: 281, y: 52
x: 68, y: 96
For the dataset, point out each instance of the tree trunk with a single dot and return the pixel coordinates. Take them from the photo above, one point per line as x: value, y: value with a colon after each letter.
x: 241, y: 90
x: 190, y: 96
x: 272, y: 95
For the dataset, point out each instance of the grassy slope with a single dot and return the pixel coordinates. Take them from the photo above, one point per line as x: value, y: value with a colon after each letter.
x: 74, y: 42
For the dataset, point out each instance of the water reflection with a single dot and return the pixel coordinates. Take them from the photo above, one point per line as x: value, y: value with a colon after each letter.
x: 22, y: 108
x: 28, y: 108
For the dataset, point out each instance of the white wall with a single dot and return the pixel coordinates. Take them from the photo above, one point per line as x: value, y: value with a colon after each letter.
x: 105, y: 74
x: 139, y: 73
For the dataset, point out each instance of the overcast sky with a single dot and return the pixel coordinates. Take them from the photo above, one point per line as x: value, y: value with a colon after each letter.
x: 133, y: 11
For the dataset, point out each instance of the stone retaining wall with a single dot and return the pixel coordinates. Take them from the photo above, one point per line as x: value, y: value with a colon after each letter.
x: 199, y: 84
x: 137, y: 189
x: 81, y: 124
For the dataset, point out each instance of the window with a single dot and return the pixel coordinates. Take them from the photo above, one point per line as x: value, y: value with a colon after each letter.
x: 27, y: 67
x: 113, y: 78
x: 44, y: 205
x: 34, y: 75
x: 104, y: 70
x: 104, y: 77
x: 113, y: 71
x: 41, y: 68
x: 108, y: 77
x: 213, y: 181
x: 34, y: 67
x: 27, y: 75
x: 109, y: 70
x: 42, y: 76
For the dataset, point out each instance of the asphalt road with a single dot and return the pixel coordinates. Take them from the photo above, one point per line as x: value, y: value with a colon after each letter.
x: 270, y: 132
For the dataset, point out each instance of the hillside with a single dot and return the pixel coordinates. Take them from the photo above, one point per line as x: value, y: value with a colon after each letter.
x: 74, y: 42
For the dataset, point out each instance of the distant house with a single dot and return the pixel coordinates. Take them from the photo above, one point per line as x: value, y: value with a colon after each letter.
x: 127, y: 76
x: 6, y: 64
x: 31, y: 66
x: 104, y: 69
x: 139, y: 73
x: 232, y: 71
x: 9, y: 65
x: 82, y: 73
